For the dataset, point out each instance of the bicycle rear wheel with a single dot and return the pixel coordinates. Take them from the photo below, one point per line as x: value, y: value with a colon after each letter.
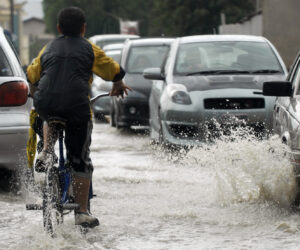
x: 52, y: 209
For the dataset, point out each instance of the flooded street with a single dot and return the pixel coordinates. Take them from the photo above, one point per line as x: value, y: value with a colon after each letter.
x: 231, y: 195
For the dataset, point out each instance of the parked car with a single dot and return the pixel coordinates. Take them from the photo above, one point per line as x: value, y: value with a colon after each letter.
x: 138, y: 55
x: 207, y: 82
x: 14, y: 108
x: 286, y: 115
x: 101, y: 107
x: 102, y: 40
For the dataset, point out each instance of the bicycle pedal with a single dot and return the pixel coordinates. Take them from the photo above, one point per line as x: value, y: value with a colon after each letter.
x: 70, y: 206
x: 34, y: 207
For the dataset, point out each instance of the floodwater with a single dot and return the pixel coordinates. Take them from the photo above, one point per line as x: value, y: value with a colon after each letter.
x: 234, y: 194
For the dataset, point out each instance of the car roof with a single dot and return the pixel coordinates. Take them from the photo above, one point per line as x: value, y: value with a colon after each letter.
x: 209, y: 38
x: 150, y: 41
x: 111, y: 36
x: 113, y: 46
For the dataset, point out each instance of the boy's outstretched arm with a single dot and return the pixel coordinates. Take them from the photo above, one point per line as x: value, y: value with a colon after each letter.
x: 109, y: 70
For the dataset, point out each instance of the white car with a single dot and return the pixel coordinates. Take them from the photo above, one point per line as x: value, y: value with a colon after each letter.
x: 101, y: 107
x: 286, y: 115
x: 14, y: 108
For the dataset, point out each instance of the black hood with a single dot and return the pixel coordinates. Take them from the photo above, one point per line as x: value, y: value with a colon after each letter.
x: 201, y: 83
x: 138, y: 83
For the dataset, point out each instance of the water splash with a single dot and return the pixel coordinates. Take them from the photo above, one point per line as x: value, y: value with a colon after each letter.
x: 247, y: 169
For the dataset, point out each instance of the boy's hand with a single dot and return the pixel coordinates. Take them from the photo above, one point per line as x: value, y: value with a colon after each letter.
x: 119, y: 89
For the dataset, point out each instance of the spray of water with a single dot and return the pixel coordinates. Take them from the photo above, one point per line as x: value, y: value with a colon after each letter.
x: 246, y: 168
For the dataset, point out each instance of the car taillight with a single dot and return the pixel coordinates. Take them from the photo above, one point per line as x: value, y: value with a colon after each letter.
x: 13, y: 93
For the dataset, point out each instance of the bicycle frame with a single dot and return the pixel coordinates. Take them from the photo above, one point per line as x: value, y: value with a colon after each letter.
x: 57, y: 183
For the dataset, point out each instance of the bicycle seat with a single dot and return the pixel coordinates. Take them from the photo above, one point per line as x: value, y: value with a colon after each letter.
x: 57, y: 120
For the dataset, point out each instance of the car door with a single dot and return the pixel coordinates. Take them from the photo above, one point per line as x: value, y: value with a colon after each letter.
x: 157, y: 89
x: 294, y: 107
x: 286, y: 108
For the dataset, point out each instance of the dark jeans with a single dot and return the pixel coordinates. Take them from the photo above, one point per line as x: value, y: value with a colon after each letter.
x: 78, y: 137
x: 77, y: 141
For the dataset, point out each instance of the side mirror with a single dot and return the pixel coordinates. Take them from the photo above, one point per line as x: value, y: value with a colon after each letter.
x: 277, y: 88
x: 153, y: 74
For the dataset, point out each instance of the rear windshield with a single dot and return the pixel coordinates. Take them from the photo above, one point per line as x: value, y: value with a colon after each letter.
x: 114, y: 54
x: 143, y: 57
x: 5, y: 69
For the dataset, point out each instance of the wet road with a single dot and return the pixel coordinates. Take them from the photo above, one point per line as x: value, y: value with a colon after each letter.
x: 230, y: 195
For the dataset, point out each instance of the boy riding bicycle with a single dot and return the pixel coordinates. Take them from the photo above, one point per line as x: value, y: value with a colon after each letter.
x: 60, y: 78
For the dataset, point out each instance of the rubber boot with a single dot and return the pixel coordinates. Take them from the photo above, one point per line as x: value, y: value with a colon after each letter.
x: 81, y: 188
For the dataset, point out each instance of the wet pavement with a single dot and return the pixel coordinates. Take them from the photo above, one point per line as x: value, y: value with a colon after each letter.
x: 230, y: 195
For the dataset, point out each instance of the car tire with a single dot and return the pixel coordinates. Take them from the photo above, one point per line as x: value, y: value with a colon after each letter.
x: 118, y: 126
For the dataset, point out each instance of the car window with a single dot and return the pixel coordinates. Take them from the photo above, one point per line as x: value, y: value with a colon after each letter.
x: 240, y: 56
x: 293, y: 69
x: 13, y: 47
x: 5, y: 69
x: 296, y: 79
x: 142, y: 57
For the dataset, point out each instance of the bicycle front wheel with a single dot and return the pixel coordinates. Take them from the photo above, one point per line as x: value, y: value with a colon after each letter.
x: 52, y: 209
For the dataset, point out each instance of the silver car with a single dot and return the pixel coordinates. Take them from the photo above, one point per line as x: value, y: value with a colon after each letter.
x: 101, y: 107
x: 14, y: 108
x: 286, y: 115
x: 207, y: 83
x: 102, y: 40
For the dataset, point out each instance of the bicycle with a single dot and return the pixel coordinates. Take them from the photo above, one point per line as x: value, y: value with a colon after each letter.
x: 57, y: 193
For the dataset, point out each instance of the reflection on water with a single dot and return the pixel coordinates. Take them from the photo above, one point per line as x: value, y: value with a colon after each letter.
x: 233, y: 194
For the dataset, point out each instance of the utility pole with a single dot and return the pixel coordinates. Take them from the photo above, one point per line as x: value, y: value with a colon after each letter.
x: 257, y: 5
x: 12, y: 16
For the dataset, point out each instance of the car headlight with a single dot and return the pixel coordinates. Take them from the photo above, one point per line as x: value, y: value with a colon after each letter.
x: 178, y: 94
x: 181, y: 97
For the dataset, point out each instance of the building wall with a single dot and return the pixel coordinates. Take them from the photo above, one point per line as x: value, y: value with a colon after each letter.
x: 19, y: 39
x: 253, y: 26
x: 34, y: 28
x: 281, y: 27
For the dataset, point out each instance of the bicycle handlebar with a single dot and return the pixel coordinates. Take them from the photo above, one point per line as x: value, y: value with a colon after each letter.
x: 92, y: 100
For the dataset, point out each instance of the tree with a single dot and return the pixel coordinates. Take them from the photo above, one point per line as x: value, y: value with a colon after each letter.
x: 189, y: 17
x: 155, y: 17
x: 99, y: 18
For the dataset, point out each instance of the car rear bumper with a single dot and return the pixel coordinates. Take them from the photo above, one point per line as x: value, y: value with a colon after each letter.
x: 13, y: 141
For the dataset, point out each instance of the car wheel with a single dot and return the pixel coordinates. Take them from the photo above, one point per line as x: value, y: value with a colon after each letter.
x: 118, y: 126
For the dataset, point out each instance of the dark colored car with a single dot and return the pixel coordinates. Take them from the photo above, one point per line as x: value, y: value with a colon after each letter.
x: 138, y: 55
